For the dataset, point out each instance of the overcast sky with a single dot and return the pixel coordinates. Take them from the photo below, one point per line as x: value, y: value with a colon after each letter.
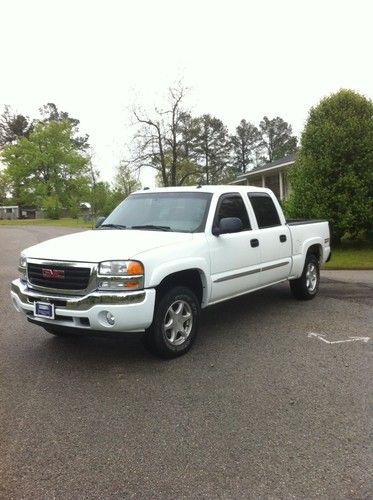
x: 241, y: 59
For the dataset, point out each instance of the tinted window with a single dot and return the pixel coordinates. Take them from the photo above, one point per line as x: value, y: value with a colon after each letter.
x: 232, y: 206
x: 265, y: 211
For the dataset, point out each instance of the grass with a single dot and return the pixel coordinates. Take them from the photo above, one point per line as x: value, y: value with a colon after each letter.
x: 351, y: 255
x: 47, y: 222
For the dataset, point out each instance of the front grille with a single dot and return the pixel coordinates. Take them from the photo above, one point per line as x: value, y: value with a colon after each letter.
x: 73, y: 278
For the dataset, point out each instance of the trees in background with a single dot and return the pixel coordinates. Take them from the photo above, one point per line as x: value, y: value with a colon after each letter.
x: 277, y: 138
x: 246, y: 146
x: 13, y: 126
x: 48, y: 164
x: 46, y: 168
x: 184, y: 149
x: 333, y: 174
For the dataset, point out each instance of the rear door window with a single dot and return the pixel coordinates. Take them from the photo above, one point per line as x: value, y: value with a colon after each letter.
x: 265, y: 211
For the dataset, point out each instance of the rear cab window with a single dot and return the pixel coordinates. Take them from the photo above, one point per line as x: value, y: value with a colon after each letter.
x: 265, y: 210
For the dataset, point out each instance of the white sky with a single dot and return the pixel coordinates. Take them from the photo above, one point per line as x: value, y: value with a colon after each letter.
x: 241, y: 59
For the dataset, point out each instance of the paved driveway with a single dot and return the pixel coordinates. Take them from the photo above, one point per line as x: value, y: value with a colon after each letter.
x: 258, y: 409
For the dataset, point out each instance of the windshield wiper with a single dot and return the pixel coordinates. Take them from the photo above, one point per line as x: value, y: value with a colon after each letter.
x: 113, y: 226
x: 152, y: 227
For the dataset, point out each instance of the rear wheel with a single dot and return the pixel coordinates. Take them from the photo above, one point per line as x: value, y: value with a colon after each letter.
x: 175, y: 323
x: 307, y: 286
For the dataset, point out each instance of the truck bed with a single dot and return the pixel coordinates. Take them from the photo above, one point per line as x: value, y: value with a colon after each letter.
x: 297, y: 222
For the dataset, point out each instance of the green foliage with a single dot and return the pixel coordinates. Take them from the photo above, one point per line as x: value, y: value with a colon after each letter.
x: 212, y: 148
x: 333, y: 174
x: 245, y: 145
x: 277, y: 138
x: 47, y: 168
x: 52, y: 207
x: 13, y: 126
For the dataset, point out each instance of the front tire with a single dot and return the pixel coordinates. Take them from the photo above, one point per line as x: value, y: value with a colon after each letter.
x: 175, y: 323
x: 307, y: 286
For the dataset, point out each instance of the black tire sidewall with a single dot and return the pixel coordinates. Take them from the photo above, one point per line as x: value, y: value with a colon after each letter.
x: 314, y: 260
x: 156, y: 335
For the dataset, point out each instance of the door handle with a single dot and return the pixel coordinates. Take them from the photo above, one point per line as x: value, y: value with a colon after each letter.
x: 282, y: 238
x: 254, y: 243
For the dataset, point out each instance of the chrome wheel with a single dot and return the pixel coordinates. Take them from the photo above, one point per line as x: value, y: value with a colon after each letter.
x: 178, y: 322
x: 311, y: 277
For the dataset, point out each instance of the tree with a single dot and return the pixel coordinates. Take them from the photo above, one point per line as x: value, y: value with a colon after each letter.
x: 277, y: 138
x: 126, y: 181
x: 13, y: 126
x: 5, y: 188
x: 47, y: 168
x: 213, y: 149
x: 50, y: 113
x: 333, y: 174
x: 162, y: 142
x: 245, y: 144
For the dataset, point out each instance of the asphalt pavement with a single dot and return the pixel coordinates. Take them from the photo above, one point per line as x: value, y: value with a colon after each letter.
x: 258, y: 409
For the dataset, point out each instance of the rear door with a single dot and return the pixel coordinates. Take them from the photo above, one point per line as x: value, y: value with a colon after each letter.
x: 274, y: 239
x: 235, y: 257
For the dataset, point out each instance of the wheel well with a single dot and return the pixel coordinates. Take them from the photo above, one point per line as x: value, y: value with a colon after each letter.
x: 191, y: 278
x: 315, y: 250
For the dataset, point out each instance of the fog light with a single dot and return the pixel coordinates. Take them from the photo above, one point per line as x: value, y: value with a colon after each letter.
x: 110, y: 318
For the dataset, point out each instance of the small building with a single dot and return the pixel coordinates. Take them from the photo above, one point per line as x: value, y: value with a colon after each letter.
x: 273, y: 175
x: 9, y: 212
x: 30, y: 213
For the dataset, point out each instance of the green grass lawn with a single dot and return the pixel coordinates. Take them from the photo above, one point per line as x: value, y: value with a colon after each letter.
x: 351, y: 255
x: 47, y: 222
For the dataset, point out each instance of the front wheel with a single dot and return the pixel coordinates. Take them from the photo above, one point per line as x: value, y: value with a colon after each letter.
x: 175, y: 323
x: 307, y: 286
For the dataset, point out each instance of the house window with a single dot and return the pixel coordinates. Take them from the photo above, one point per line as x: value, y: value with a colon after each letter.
x: 9, y: 210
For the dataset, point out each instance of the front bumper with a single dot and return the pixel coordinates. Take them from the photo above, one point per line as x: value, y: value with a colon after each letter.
x: 133, y: 311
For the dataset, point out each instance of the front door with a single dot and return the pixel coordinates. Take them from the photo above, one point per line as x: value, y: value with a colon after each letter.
x: 235, y: 257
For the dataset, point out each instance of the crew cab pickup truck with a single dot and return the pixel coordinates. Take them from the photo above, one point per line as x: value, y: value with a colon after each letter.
x: 164, y: 254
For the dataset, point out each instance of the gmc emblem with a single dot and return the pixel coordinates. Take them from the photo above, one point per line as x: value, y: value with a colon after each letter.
x: 53, y: 274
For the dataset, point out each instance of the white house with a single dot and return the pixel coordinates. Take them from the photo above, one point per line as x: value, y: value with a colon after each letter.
x: 271, y: 175
x: 9, y: 212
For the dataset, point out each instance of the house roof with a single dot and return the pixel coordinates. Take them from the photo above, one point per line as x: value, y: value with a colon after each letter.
x: 276, y: 164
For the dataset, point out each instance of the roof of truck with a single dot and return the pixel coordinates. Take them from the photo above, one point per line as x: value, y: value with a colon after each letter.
x: 229, y: 188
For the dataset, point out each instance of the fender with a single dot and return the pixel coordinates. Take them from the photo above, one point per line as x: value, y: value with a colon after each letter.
x: 161, y: 272
x: 299, y: 259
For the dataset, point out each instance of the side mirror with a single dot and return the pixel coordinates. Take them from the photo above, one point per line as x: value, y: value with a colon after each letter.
x: 228, y: 225
x: 99, y: 221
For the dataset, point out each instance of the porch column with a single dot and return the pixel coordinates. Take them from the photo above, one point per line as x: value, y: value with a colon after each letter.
x: 263, y: 182
x: 281, y: 185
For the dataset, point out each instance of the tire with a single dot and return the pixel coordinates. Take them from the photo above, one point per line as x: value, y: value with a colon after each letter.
x: 307, y: 286
x: 175, y: 323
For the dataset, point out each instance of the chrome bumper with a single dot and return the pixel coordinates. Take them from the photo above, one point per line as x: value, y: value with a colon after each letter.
x: 76, y: 303
x: 133, y: 311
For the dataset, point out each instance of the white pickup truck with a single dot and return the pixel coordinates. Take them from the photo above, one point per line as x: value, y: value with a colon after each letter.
x: 161, y: 256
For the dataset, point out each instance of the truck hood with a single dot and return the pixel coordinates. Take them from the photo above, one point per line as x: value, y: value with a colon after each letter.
x: 97, y: 246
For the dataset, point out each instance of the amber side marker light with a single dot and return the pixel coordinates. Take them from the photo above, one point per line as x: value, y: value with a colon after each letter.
x: 134, y: 268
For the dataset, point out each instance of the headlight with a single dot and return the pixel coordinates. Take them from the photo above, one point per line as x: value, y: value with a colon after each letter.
x: 120, y: 275
x: 22, y: 265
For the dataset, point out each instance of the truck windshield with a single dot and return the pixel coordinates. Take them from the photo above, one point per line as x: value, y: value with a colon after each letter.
x: 174, y: 211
